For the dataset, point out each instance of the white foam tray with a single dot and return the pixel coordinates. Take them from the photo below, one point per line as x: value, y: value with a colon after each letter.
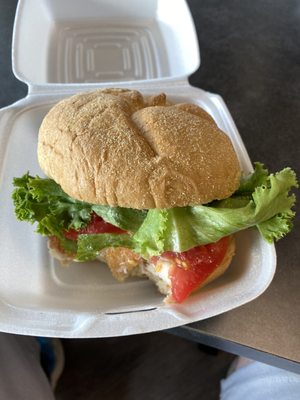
x: 76, y: 46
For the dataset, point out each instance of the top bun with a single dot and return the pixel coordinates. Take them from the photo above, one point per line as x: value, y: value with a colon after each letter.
x: 115, y: 147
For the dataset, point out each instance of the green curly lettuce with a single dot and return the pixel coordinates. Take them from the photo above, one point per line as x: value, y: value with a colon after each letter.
x: 262, y: 200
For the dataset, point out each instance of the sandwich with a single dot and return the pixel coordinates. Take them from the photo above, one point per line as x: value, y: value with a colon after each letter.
x: 148, y: 187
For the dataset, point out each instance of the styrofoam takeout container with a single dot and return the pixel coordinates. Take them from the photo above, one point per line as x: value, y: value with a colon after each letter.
x: 61, y: 47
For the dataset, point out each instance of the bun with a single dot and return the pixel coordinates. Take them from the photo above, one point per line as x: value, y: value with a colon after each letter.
x: 115, y: 147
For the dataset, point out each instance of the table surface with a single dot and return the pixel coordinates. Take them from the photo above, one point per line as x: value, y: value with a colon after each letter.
x: 250, y: 55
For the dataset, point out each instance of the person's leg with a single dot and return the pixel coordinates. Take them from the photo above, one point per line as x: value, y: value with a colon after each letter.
x: 52, y: 358
x: 21, y: 373
x: 258, y: 381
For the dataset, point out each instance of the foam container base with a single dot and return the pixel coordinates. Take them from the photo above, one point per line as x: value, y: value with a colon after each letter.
x: 40, y: 297
x: 62, y: 47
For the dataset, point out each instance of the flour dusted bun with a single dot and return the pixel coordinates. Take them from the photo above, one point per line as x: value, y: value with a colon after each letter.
x: 116, y: 147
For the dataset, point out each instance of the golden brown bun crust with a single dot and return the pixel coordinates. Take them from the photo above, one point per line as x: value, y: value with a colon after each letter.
x: 116, y: 147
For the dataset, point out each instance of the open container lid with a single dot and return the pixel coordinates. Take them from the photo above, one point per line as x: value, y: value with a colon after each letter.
x: 61, y: 47
x: 78, y: 42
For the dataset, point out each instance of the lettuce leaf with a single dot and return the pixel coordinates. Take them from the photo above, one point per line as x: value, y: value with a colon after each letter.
x: 43, y: 201
x: 149, y: 239
x: 266, y: 206
x: 251, y: 181
x: 262, y: 200
x: 128, y: 219
x: 36, y: 198
x: 89, y: 246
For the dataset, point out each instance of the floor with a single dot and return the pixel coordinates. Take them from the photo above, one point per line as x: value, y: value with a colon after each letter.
x: 150, y: 367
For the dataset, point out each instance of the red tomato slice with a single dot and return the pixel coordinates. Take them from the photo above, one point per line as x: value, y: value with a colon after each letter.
x: 191, y: 268
x: 96, y: 225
